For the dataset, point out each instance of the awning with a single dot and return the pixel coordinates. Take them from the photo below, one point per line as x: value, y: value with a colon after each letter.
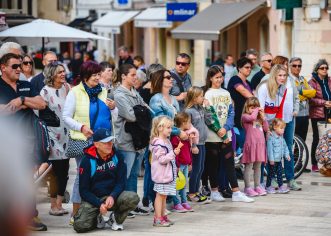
x: 208, y: 24
x: 112, y: 21
x: 154, y: 17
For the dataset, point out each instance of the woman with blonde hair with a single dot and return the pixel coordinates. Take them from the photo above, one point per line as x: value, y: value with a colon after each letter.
x: 28, y: 70
x: 278, y: 97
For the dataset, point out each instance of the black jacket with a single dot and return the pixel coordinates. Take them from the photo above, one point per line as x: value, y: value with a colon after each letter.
x: 38, y: 82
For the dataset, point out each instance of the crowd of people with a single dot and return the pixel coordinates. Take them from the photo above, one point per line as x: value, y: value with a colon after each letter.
x: 112, y: 118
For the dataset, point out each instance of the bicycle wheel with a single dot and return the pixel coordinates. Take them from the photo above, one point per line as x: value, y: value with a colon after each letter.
x: 301, y: 156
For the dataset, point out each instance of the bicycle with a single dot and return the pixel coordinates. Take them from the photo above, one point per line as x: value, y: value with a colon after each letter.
x: 300, y: 153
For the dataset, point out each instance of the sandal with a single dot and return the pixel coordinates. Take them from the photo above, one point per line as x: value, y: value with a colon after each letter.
x: 55, y: 212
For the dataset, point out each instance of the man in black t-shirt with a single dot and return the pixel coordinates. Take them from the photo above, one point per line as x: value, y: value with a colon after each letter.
x: 17, y: 101
x: 266, y: 60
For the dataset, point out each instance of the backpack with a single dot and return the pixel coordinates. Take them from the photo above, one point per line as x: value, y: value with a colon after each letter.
x: 42, y: 144
x: 140, y: 129
x: 93, y: 163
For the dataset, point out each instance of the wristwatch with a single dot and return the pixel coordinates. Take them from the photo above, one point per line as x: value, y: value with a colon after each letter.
x: 22, y: 99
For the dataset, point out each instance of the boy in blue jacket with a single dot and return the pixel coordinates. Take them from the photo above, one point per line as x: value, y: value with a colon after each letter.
x: 102, y: 179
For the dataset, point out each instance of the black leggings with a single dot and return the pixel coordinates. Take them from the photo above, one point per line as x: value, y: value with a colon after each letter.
x: 315, y: 139
x: 59, y: 177
x: 214, y: 153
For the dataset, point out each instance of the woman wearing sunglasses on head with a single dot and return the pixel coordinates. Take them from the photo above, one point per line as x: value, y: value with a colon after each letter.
x: 320, y: 105
x: 27, y: 68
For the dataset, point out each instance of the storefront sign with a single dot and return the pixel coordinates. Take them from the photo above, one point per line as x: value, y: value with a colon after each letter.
x: 152, y: 24
x: 181, y: 11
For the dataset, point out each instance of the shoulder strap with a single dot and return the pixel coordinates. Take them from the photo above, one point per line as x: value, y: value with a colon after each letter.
x: 93, y: 163
x: 179, y: 81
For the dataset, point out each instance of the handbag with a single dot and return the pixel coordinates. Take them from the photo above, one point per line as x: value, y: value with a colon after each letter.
x: 76, y: 147
x: 323, y: 126
x: 49, y: 117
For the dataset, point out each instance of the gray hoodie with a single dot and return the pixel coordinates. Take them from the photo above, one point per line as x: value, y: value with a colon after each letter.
x: 198, y: 116
x: 125, y: 101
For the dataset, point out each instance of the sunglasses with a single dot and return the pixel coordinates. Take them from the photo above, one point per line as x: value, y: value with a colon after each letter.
x: 295, y: 66
x: 268, y: 60
x: 27, y: 63
x: 182, y: 63
x: 167, y: 77
x: 16, y: 66
x: 323, y: 68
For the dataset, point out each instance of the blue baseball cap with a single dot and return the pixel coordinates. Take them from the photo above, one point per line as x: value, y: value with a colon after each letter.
x: 102, y: 135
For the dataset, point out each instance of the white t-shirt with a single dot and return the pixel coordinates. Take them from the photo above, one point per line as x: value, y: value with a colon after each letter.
x: 221, y: 100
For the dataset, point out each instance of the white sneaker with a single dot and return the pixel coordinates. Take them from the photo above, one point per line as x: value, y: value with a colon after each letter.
x: 216, y: 196
x: 241, y: 197
x: 101, y: 223
x: 113, y: 224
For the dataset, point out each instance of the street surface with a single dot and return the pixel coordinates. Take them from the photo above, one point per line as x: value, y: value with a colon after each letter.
x: 306, y: 212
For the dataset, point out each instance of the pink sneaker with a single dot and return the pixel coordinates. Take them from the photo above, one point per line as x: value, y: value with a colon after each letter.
x: 187, y: 207
x: 250, y: 192
x: 314, y: 168
x: 179, y: 208
x: 260, y: 191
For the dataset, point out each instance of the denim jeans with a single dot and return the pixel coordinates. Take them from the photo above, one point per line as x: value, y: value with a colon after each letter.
x: 148, y: 183
x: 133, y: 162
x: 198, y: 163
x: 289, y: 136
x: 182, y: 193
x: 75, y: 198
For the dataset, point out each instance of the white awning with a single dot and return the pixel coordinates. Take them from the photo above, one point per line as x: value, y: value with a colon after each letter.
x: 208, y: 24
x: 154, y: 17
x: 112, y: 21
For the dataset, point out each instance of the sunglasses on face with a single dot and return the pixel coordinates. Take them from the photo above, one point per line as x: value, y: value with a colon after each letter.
x: 268, y: 60
x: 167, y: 77
x: 16, y: 66
x: 295, y: 66
x: 182, y: 63
x: 323, y: 68
x: 27, y: 63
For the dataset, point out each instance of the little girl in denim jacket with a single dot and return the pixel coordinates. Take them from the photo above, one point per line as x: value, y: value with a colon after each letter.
x: 163, y: 167
x: 277, y: 150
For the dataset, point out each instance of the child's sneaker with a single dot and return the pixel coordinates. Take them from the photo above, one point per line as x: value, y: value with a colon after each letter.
x: 187, y: 207
x: 250, y: 192
x: 283, y: 189
x: 274, y: 183
x: 205, y: 191
x: 271, y: 190
x: 241, y: 197
x: 196, y: 198
x: 167, y: 212
x: 216, y: 196
x: 160, y: 222
x: 260, y: 191
x: 168, y: 220
x: 179, y: 208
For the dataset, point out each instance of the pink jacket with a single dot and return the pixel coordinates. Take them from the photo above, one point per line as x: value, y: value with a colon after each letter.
x: 162, y: 166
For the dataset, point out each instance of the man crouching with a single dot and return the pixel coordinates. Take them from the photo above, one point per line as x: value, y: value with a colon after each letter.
x: 102, y: 178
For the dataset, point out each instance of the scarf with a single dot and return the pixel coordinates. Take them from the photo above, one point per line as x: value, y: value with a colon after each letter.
x: 93, y: 92
x: 324, y: 86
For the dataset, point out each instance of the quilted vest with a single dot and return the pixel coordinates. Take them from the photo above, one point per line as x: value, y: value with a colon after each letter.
x: 82, y: 111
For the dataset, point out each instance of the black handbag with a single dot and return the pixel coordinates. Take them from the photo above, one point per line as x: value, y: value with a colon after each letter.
x: 49, y: 117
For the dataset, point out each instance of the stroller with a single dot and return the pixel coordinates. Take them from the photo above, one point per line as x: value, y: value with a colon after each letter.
x: 323, y: 153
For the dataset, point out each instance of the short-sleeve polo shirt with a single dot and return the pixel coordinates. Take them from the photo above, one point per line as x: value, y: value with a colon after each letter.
x: 7, y: 93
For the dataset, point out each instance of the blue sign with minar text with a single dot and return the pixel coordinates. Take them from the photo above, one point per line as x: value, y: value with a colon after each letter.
x: 181, y: 11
